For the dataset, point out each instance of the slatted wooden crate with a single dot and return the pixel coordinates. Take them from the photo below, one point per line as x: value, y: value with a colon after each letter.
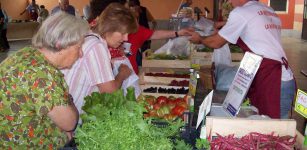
x: 242, y: 126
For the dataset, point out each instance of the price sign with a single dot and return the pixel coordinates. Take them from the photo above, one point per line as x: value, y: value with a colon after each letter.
x: 241, y: 83
x: 301, y: 103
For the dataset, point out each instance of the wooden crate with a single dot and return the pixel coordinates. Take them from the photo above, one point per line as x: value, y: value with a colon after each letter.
x: 164, y: 63
x: 205, y: 59
x: 206, y: 74
x: 242, y: 126
x: 161, y: 94
x: 160, y: 80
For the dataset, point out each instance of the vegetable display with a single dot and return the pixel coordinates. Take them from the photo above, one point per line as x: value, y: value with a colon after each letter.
x: 167, y: 108
x: 181, y: 90
x: 253, y: 141
x: 164, y: 56
x: 114, y: 121
x: 186, y: 75
x: 179, y: 83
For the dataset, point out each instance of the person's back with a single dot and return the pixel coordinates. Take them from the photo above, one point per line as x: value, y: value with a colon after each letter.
x: 188, y: 3
x: 43, y: 14
x: 262, y: 34
x: 33, y: 10
x: 25, y: 77
x: 64, y: 6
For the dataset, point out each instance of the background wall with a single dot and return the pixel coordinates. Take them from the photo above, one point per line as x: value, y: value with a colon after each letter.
x: 161, y: 9
x: 286, y: 18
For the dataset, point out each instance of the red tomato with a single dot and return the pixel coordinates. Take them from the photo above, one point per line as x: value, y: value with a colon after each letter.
x: 178, y: 100
x: 150, y: 100
x: 156, y: 106
x: 171, y: 105
x: 161, y: 100
x: 146, y: 115
x: 183, y: 104
x: 178, y: 110
x: 171, y: 101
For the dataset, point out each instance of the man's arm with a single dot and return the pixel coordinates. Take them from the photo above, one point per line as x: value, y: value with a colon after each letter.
x: 212, y: 41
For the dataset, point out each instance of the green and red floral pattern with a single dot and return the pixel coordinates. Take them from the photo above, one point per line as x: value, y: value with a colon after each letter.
x: 29, y: 88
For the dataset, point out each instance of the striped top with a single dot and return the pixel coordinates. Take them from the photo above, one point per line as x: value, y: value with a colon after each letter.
x: 92, y: 69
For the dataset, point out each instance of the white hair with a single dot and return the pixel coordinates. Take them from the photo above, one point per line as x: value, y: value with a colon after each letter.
x: 60, y: 31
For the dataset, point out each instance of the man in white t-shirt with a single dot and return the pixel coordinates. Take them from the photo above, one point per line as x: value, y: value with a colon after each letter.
x: 256, y: 28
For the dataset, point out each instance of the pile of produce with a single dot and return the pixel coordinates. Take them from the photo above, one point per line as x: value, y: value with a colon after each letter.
x: 164, y: 56
x: 253, y: 141
x: 168, y: 108
x: 179, y: 83
x: 235, y: 48
x: 205, y: 49
x: 116, y: 122
x: 181, y: 90
x: 160, y: 74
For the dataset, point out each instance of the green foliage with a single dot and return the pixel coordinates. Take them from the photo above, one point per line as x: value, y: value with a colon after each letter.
x: 202, y: 144
x: 164, y: 56
x: 205, y: 49
x: 113, y: 121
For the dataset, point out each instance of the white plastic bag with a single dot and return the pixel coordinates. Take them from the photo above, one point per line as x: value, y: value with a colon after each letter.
x: 222, y: 56
x: 204, y: 26
x: 132, y: 80
x: 176, y: 46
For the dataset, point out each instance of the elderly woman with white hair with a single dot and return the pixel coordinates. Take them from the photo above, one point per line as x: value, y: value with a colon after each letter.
x: 36, y: 109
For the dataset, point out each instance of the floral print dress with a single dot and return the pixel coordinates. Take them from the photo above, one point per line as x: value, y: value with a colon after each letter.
x: 29, y: 88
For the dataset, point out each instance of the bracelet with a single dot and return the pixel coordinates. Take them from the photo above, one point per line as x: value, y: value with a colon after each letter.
x: 176, y: 33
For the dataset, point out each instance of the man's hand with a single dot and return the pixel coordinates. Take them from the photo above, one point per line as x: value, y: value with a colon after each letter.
x: 218, y: 25
x: 195, y: 38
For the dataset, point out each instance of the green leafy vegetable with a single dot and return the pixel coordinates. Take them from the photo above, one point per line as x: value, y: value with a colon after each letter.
x: 202, y: 144
x: 114, y: 121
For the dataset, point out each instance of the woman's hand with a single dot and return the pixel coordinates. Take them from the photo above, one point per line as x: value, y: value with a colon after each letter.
x: 186, y: 31
x: 124, y: 71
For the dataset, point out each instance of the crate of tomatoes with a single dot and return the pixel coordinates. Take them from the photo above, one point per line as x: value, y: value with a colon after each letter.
x: 165, y: 107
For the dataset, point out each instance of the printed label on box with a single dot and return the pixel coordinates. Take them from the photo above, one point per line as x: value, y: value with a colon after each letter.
x: 301, y: 103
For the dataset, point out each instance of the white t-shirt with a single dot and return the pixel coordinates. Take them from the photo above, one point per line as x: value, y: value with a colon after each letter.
x: 260, y: 28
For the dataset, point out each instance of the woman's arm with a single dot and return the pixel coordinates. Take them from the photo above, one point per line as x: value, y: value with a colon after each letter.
x: 111, y: 86
x: 164, y: 34
x: 65, y: 117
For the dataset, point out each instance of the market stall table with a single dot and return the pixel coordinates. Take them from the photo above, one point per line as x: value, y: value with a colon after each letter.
x: 21, y: 30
